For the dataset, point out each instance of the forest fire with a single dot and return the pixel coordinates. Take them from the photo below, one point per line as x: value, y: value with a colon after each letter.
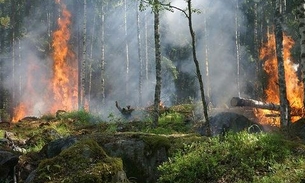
x: 62, y: 87
x: 293, y: 86
x: 64, y: 81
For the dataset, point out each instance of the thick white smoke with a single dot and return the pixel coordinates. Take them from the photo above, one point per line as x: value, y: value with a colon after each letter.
x: 217, y: 35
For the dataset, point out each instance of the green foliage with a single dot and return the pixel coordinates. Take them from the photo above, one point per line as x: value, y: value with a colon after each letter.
x: 240, y: 157
x: 167, y: 118
x: 156, y: 5
x: 5, y: 21
x: 111, y: 127
x: 170, y: 123
x: 168, y: 65
x: 81, y: 117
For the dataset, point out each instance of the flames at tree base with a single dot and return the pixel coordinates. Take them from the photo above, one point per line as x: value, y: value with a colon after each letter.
x: 294, y: 87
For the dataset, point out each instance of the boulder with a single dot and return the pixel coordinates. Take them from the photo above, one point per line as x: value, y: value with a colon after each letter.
x: 8, y: 161
x: 84, y: 161
x: 141, y: 155
x: 228, y: 121
x: 55, y: 147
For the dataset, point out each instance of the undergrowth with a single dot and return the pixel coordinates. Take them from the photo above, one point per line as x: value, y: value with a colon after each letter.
x: 170, y: 123
x: 240, y: 157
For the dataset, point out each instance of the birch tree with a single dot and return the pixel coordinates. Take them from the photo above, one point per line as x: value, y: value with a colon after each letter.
x: 139, y: 57
x: 103, y: 97
x: 206, y: 56
x: 237, y: 46
x: 126, y: 48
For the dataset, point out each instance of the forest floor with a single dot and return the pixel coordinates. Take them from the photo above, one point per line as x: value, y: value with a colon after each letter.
x: 59, y: 148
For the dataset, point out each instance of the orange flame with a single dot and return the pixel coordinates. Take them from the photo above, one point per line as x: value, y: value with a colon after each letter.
x: 64, y: 81
x: 293, y: 86
x: 19, y: 112
x: 27, y: 103
x: 62, y: 91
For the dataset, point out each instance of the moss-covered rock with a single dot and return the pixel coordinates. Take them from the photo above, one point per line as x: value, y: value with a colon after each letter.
x: 85, y: 161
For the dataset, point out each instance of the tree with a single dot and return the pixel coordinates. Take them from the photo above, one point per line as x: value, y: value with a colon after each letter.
x: 157, y: 99
x: 156, y: 6
x: 102, y: 80
x: 301, y: 19
x: 284, y: 103
x: 237, y: 45
x: 126, y: 49
x: 139, y: 57
x: 81, y: 92
x: 205, y: 109
x: 188, y: 15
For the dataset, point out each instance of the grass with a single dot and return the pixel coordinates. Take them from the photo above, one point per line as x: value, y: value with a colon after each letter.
x: 241, y: 157
x: 170, y: 123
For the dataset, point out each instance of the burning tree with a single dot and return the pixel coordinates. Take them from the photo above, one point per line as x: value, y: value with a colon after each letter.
x: 293, y: 85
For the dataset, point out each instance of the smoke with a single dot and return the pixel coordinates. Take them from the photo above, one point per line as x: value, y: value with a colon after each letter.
x: 122, y: 69
x: 215, y: 30
x: 27, y: 69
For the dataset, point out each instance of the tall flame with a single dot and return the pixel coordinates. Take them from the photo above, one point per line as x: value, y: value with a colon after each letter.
x: 62, y: 90
x: 293, y: 86
x: 64, y: 81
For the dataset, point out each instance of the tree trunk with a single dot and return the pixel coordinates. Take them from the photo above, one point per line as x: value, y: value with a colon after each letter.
x: 158, y: 65
x: 206, y: 50
x: 301, y: 19
x: 205, y: 108
x: 126, y: 49
x: 13, y: 51
x: 83, y: 66
x: 146, y: 46
x: 258, y: 68
x: 284, y: 103
x: 90, y: 69
x: 139, y: 57
x: 243, y: 102
x: 237, y: 46
x: 103, y: 97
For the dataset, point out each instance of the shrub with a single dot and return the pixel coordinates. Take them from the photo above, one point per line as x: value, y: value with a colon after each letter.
x: 81, y: 117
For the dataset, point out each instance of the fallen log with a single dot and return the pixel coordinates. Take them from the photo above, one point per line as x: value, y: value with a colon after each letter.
x: 243, y: 102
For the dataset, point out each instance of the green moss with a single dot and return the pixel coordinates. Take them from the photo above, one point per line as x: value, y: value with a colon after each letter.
x: 155, y: 142
x: 2, y: 132
x: 85, y: 161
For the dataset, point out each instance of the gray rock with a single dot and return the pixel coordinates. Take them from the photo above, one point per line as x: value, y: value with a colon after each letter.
x: 228, y: 121
x: 8, y: 161
x: 55, y: 147
x: 140, y: 163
